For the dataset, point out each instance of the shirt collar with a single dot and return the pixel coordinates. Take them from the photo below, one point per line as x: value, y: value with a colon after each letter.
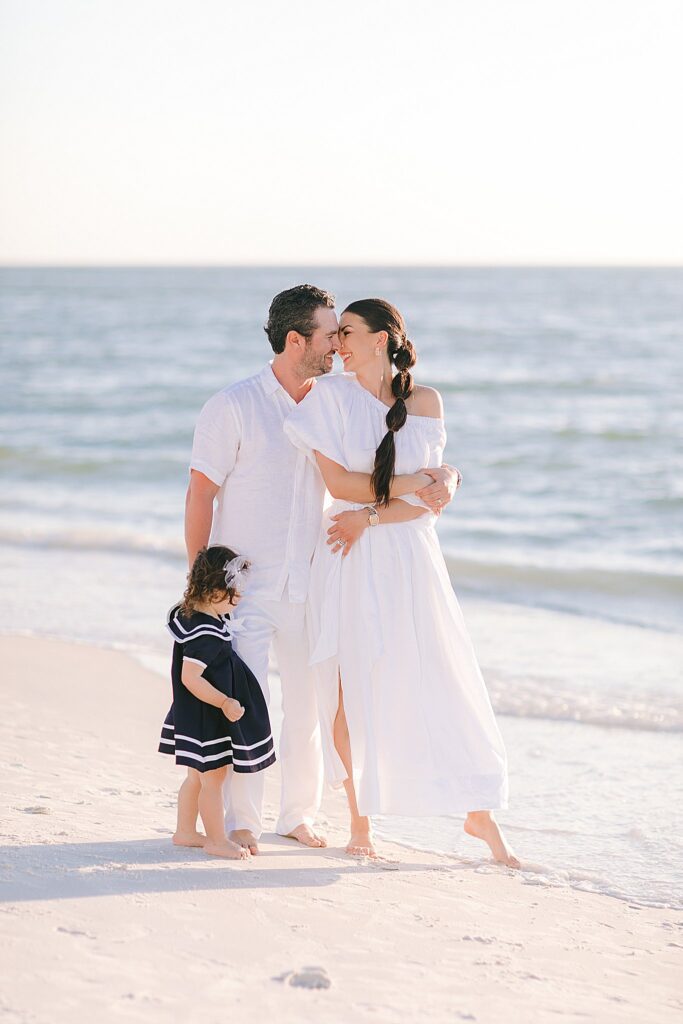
x: 269, y: 381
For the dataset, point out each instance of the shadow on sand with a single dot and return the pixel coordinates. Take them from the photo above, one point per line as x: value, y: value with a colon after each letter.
x: 77, y: 870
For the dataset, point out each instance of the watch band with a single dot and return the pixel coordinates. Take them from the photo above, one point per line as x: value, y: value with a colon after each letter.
x: 373, y: 515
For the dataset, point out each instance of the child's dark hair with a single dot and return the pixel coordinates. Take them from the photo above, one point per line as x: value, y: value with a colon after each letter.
x: 206, y: 578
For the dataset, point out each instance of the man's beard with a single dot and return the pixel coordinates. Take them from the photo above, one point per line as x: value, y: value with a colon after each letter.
x: 314, y: 365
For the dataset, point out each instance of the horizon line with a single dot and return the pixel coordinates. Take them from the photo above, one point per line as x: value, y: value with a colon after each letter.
x: 336, y: 266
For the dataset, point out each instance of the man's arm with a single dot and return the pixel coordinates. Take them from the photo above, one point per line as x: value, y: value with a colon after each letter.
x: 215, y: 446
x: 198, y: 513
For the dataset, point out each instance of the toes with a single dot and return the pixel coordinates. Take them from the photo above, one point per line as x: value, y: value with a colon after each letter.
x: 360, y: 851
x: 307, y: 838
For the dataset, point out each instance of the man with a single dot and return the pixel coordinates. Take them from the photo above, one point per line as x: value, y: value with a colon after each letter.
x: 269, y: 501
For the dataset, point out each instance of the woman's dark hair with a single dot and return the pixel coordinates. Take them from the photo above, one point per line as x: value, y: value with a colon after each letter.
x: 294, y: 310
x: 206, y: 578
x: 380, y: 315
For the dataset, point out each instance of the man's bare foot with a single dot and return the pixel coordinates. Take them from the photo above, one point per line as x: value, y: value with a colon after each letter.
x: 482, y: 825
x: 189, y: 839
x: 243, y: 837
x: 226, y: 848
x: 361, y: 844
x: 306, y: 836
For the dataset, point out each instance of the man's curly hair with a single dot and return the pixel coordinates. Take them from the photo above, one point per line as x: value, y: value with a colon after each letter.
x: 206, y: 578
x: 294, y: 310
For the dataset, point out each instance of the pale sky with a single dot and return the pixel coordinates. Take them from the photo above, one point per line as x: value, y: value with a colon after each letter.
x: 302, y: 131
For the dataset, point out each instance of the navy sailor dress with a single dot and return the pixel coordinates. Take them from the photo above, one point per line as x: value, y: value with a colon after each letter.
x: 197, y: 733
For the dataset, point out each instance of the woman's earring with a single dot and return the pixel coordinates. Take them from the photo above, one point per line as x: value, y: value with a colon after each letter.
x: 378, y: 351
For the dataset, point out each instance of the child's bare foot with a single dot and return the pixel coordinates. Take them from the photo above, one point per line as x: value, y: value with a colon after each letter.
x: 243, y: 837
x: 189, y: 839
x: 482, y: 825
x: 226, y: 848
x: 361, y: 844
x: 306, y: 836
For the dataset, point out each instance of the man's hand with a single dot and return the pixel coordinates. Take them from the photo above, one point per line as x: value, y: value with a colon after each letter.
x: 346, y: 528
x: 446, y: 479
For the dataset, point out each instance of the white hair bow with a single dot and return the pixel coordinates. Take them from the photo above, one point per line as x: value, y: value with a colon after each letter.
x: 234, y: 569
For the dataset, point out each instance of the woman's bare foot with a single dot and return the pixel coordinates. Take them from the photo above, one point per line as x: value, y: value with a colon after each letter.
x: 482, y: 825
x: 306, y: 836
x: 189, y: 839
x: 243, y: 837
x: 361, y: 844
x: 226, y: 848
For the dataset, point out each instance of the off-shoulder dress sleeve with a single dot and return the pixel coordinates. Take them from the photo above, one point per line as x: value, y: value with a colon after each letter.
x: 436, y: 436
x: 317, y: 423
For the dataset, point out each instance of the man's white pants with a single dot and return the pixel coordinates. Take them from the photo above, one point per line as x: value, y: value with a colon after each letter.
x: 282, y: 624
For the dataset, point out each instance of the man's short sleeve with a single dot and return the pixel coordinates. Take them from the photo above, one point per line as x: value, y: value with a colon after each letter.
x: 217, y: 438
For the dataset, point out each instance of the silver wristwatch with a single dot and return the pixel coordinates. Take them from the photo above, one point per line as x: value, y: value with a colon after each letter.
x: 373, y: 515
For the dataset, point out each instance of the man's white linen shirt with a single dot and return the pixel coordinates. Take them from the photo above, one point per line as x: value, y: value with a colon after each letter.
x: 270, y: 498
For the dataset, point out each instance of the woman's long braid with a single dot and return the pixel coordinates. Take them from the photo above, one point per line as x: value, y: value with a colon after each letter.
x: 402, y: 355
x: 380, y: 315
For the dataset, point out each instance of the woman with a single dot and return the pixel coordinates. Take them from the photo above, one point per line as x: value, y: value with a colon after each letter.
x: 407, y: 725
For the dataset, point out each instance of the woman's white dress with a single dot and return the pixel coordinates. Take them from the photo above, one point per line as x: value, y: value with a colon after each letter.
x: 424, y: 739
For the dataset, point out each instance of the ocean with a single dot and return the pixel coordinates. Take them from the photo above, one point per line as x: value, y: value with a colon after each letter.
x: 562, y: 393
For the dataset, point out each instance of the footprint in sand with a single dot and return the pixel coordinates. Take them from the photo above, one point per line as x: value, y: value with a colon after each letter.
x: 36, y: 810
x: 307, y: 977
x: 75, y: 931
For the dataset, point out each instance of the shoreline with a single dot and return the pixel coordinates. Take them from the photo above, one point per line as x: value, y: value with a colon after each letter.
x: 97, y: 896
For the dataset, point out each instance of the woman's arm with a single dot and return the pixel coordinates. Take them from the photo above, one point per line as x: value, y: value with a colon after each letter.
x: 347, y: 527
x: 435, y: 487
x: 341, y: 483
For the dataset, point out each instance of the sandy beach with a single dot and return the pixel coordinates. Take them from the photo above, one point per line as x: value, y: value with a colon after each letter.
x: 103, y: 918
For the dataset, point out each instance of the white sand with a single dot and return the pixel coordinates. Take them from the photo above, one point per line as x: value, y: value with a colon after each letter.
x: 104, y: 920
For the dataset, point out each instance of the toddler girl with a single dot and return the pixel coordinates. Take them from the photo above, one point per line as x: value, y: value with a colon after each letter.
x: 219, y: 716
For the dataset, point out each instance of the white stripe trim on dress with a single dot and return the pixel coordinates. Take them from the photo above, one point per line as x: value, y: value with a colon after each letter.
x: 240, y: 746
x: 206, y: 743
x: 190, y: 634
x: 195, y: 661
x: 176, y: 609
x: 169, y: 743
x: 198, y: 757
x: 202, y: 633
x: 257, y: 760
